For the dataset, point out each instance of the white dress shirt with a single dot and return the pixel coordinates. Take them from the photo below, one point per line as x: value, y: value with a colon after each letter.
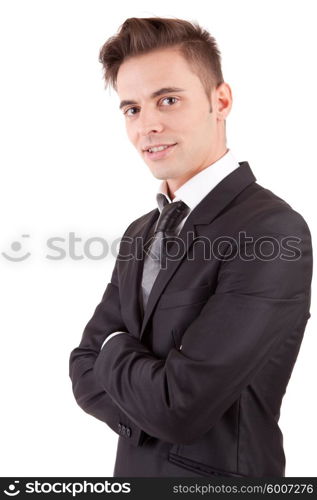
x: 194, y: 190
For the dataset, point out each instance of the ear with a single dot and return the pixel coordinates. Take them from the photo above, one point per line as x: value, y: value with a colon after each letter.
x: 223, y: 100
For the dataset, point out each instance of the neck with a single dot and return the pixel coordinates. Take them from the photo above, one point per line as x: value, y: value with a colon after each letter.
x: 171, y: 194
x: 174, y: 184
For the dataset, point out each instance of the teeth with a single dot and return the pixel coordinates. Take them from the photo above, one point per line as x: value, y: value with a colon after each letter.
x: 158, y: 148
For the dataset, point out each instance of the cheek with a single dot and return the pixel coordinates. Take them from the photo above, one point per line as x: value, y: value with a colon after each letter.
x: 192, y: 122
x: 198, y: 140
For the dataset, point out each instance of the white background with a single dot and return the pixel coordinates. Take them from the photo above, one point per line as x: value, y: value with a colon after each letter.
x: 67, y: 167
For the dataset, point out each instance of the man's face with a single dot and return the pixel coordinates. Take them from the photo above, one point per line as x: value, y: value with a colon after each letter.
x: 165, y: 104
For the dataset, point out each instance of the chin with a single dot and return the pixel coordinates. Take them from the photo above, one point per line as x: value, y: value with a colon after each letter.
x: 163, y: 172
x: 160, y: 173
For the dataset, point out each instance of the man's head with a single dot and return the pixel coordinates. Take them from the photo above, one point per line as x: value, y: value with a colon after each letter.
x: 167, y: 73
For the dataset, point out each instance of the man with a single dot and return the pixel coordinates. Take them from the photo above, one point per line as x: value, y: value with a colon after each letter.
x: 188, y: 355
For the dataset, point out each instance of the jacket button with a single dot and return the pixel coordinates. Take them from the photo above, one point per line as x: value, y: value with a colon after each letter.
x: 128, y: 432
x: 119, y: 428
x: 123, y: 429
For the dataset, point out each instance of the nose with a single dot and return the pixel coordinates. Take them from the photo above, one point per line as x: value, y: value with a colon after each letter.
x: 149, y: 122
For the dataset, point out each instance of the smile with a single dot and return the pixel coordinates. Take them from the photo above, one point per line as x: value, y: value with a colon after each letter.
x: 158, y: 152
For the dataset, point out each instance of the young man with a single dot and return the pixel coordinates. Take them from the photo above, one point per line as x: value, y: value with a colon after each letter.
x: 188, y: 355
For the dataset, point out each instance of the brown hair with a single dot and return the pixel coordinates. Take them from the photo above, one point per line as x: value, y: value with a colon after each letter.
x: 141, y: 35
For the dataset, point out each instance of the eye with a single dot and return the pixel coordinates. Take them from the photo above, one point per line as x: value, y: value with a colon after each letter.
x: 172, y: 100
x: 130, y: 111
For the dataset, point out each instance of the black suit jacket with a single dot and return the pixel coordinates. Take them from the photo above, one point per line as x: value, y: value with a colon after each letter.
x: 195, y: 386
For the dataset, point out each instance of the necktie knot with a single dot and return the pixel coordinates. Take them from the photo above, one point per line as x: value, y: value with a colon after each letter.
x: 171, y: 216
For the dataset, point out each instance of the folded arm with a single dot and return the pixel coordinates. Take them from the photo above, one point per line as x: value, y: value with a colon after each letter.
x: 87, y: 389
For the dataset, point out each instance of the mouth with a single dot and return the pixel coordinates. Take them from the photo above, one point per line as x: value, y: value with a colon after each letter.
x: 159, y: 151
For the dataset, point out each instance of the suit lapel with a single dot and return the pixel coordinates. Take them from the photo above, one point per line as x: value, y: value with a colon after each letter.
x: 131, y: 276
x: 204, y: 213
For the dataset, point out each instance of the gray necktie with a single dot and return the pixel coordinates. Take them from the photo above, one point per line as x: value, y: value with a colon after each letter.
x: 164, y: 232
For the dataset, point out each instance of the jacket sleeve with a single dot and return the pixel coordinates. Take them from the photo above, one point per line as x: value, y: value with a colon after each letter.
x: 89, y: 393
x: 257, y: 305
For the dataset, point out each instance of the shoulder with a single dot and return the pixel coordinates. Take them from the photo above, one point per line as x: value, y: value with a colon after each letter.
x: 136, y: 225
x: 262, y: 211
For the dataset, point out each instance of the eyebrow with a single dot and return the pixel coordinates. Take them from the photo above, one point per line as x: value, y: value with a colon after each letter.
x: 156, y: 93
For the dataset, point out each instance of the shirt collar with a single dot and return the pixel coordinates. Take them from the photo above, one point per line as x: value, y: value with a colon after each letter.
x: 197, y: 187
